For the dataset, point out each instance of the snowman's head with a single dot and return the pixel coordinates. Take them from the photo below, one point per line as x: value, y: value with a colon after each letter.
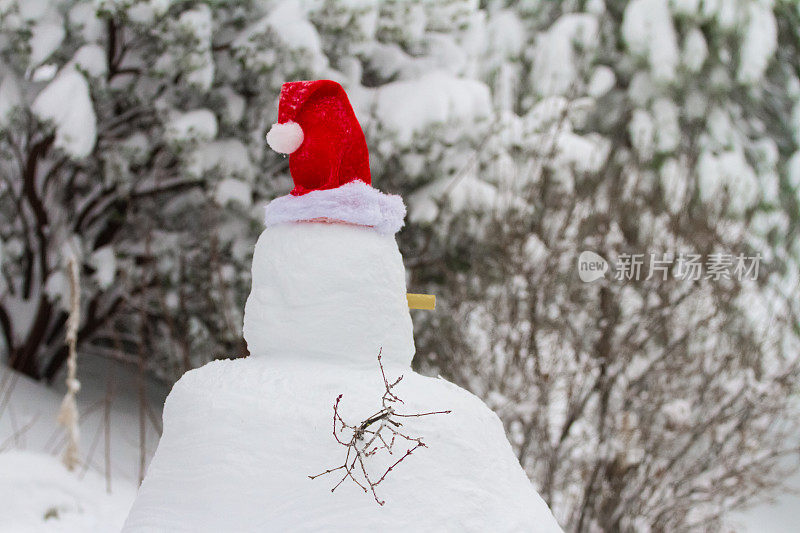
x: 328, y: 290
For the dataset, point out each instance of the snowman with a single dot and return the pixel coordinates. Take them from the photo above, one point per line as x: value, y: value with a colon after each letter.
x: 325, y: 426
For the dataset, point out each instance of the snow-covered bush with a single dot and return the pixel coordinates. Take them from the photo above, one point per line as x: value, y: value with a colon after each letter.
x: 133, y: 134
x: 629, y: 127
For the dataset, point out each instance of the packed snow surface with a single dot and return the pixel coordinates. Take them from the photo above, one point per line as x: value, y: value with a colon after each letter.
x: 242, y: 437
x: 328, y: 291
x: 28, y: 417
x: 39, y: 495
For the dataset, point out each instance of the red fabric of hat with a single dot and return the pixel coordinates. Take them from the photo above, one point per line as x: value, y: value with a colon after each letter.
x: 333, y: 149
x: 328, y: 161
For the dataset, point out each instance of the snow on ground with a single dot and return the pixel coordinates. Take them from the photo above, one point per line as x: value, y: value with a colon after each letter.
x: 39, y: 494
x: 36, y: 492
x: 778, y: 516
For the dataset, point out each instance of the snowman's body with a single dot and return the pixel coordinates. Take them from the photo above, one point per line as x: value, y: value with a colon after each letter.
x: 242, y: 437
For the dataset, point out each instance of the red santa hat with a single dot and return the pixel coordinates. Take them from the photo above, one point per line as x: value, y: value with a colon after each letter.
x: 328, y: 161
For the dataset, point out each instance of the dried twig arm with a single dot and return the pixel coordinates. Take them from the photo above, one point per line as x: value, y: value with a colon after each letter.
x: 364, y: 442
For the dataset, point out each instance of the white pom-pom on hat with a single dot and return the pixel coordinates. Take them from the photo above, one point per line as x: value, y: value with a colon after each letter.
x: 285, y: 138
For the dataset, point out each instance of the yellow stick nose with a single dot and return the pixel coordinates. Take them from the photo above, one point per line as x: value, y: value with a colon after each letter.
x: 421, y: 301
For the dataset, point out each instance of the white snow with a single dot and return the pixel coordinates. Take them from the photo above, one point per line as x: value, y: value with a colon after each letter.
x: 759, y: 43
x: 272, y: 429
x: 506, y: 33
x: 160, y: 6
x: 728, y: 171
x: 388, y: 59
x: 141, y: 12
x: 548, y: 113
x: 45, y: 39
x: 233, y: 190
x: 234, y: 105
x: 40, y: 495
x: 293, y: 28
x: 678, y: 412
x: 447, y: 54
x: 105, y: 262
x: 720, y: 128
x: 57, y: 288
x: 642, y: 89
x: 728, y: 13
x: 91, y: 58
x: 229, y: 156
x: 24, y: 312
x: 602, y: 81
x: 10, y: 97
x: 694, y: 106
x: 793, y: 171
x: 198, y: 20
x: 287, y: 24
x: 667, y: 127
x: 83, y: 18
x: 354, y: 270
x: 641, y: 128
x: 460, y: 192
x: 32, y: 481
x: 66, y: 103
x: 536, y: 250
x: 201, y: 67
x: 196, y: 125
x: 411, y: 107
x: 695, y: 50
x: 648, y: 31
x: 35, y: 405
x: 33, y: 9
x: 241, y: 437
x: 554, y: 63
x: 685, y: 7
x: 584, y: 153
x: 44, y: 73
x: 674, y: 180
